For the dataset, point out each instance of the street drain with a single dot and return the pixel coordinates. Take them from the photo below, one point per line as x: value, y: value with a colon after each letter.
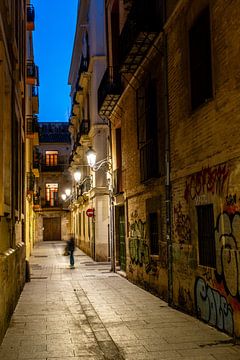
x: 38, y: 277
x: 40, y: 256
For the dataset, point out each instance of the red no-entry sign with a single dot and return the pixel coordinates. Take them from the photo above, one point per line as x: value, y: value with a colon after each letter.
x: 90, y: 212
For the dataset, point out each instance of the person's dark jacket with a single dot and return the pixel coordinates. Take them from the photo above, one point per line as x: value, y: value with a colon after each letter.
x: 71, y: 245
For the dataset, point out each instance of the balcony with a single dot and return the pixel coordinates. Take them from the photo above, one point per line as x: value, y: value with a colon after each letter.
x: 117, y: 181
x: 109, y: 91
x: 36, y: 201
x: 83, y: 75
x: 51, y: 204
x: 30, y: 182
x: 143, y: 24
x: 30, y: 17
x: 32, y: 74
x: 149, y: 168
x: 36, y: 162
x: 52, y: 168
x: 32, y: 127
x: 35, y: 100
x: 85, y: 187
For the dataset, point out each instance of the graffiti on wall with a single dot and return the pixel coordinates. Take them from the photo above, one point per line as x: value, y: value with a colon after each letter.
x: 138, y: 248
x: 232, y: 204
x: 182, y: 225
x: 212, y: 307
x: 209, y: 179
x: 227, y: 240
x: 185, y: 298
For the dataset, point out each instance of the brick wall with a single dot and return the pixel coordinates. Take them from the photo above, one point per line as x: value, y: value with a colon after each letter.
x: 205, y: 165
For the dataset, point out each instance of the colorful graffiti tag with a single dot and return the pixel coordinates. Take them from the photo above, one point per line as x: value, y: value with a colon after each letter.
x: 182, y: 225
x: 227, y: 240
x: 138, y: 248
x: 207, y: 180
x: 212, y: 307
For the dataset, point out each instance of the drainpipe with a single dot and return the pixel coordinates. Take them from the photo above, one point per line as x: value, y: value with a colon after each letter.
x: 167, y: 164
x: 111, y: 204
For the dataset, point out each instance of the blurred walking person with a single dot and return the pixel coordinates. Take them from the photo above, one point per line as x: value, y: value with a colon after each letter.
x: 71, y: 248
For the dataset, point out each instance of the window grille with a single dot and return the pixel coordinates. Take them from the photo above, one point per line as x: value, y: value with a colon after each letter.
x: 206, y: 240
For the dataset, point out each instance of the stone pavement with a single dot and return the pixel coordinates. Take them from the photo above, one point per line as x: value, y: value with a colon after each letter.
x: 90, y: 313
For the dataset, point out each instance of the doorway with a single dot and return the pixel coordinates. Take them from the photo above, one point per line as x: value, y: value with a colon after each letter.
x: 120, y: 237
x: 52, y: 229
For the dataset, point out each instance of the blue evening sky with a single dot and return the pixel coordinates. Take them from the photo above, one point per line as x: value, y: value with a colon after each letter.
x: 55, y: 23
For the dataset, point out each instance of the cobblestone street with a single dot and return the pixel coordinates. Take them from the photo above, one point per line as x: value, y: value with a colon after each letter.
x: 90, y: 313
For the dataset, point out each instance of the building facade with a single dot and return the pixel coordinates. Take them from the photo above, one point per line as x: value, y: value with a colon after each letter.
x: 53, y: 217
x: 32, y: 160
x: 171, y: 94
x: 204, y: 115
x: 12, y: 128
x: 88, y: 129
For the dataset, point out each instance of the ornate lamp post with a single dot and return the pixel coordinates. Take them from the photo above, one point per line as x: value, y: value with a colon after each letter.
x: 95, y: 166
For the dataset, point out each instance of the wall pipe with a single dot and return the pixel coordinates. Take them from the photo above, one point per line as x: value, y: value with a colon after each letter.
x: 168, y: 194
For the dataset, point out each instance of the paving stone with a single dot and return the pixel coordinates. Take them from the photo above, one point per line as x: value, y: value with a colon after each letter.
x: 87, y: 313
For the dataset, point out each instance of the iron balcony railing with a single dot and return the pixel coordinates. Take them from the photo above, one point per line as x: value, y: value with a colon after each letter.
x: 35, y: 100
x: 143, y: 24
x: 32, y: 73
x: 85, y: 186
x: 51, y: 203
x: 30, y: 17
x: 84, y: 127
x: 52, y: 168
x: 32, y: 126
x: 36, y: 199
x: 36, y: 158
x: 35, y: 91
x: 109, y: 91
x: 30, y: 182
x: 84, y: 64
x: 149, y: 161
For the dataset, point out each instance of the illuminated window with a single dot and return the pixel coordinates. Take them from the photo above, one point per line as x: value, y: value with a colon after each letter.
x: 51, y: 194
x: 51, y: 158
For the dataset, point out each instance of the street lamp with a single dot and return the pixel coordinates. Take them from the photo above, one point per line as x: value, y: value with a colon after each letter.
x: 68, y: 192
x: 66, y: 195
x: 77, y: 176
x: 95, y: 166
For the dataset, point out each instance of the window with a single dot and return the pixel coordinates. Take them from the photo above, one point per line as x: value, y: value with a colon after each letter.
x: 153, y: 233
x: 51, y: 194
x: 206, y: 240
x: 200, y: 60
x: 147, y: 115
x: 51, y: 158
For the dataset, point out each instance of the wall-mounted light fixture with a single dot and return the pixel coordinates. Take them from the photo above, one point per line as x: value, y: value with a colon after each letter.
x: 95, y: 166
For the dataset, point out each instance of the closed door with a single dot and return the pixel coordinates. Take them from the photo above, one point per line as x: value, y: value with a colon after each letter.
x: 120, y: 237
x: 52, y: 229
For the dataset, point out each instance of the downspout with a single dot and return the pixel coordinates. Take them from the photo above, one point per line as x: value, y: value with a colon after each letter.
x: 167, y: 163
x: 13, y: 144
x: 111, y: 204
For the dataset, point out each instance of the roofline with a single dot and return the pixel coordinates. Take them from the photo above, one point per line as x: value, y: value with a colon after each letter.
x: 82, y: 21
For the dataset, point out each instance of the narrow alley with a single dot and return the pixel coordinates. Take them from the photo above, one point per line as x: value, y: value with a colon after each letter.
x: 91, y: 313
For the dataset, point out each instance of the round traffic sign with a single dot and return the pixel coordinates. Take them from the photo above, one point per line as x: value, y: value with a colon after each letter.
x: 90, y: 212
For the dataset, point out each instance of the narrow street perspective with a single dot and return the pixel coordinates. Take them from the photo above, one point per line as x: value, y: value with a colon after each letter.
x: 90, y: 313
x: 119, y: 179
